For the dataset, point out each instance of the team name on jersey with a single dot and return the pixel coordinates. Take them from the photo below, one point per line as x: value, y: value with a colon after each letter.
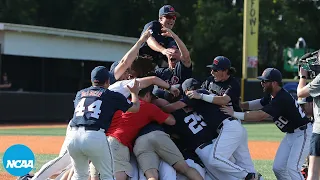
x: 91, y: 93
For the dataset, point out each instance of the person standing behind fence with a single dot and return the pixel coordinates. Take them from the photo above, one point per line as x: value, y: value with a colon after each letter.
x: 312, y: 89
x: 95, y: 107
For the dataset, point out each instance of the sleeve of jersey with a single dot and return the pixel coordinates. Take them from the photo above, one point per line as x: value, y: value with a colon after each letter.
x: 76, y: 99
x: 154, y: 26
x: 265, y: 100
x: 273, y: 108
x: 233, y: 91
x: 157, y: 114
x: 314, y: 86
x: 188, y: 102
x: 121, y: 102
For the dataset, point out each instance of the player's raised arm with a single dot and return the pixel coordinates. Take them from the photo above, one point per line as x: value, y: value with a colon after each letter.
x: 134, y: 97
x: 130, y: 56
x: 147, y: 81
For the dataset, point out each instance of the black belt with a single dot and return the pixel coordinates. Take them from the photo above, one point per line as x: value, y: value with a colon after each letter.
x: 230, y: 119
x: 87, y: 128
x: 205, y: 144
x: 304, y: 127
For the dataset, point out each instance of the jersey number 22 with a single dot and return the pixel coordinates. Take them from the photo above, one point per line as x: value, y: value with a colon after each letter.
x: 195, y: 119
x: 94, y: 108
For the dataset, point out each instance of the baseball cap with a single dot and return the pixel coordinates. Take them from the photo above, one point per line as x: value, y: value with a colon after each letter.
x: 99, y: 74
x: 113, y: 66
x: 271, y: 74
x: 220, y: 63
x: 305, y: 100
x: 172, y: 44
x: 190, y: 84
x: 167, y: 9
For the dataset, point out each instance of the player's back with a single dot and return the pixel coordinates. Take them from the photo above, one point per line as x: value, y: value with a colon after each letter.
x: 211, y: 113
x: 95, y: 106
x: 192, y: 129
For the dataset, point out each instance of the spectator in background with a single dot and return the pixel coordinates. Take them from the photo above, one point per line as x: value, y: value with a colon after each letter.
x: 156, y: 45
x: 5, y: 83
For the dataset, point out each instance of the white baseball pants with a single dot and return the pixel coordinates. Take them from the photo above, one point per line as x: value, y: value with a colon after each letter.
x: 291, y: 154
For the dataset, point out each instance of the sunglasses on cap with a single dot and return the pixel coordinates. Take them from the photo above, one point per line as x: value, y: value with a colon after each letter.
x: 170, y: 17
x: 265, y: 81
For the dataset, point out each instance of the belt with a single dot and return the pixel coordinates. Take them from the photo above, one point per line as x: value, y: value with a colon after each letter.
x: 87, y: 128
x: 304, y: 127
x: 205, y: 144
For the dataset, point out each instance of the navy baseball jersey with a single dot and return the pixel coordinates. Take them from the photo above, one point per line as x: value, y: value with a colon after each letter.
x: 175, y: 76
x: 95, y: 106
x: 285, y: 111
x: 231, y: 87
x: 153, y: 126
x: 211, y: 113
x: 155, y: 26
x: 192, y: 129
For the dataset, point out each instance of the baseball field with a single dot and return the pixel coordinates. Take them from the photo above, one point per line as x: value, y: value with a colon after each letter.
x: 45, y: 141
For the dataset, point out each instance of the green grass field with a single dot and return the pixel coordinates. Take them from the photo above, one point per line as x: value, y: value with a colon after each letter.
x: 256, y: 132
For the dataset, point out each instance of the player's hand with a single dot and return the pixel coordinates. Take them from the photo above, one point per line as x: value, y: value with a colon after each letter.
x: 175, y: 91
x: 135, y: 88
x: 168, y: 52
x: 167, y: 32
x: 193, y: 95
x: 227, y: 110
x: 145, y: 36
x: 303, y: 72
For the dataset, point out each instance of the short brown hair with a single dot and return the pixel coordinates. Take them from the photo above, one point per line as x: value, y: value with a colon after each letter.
x: 142, y: 66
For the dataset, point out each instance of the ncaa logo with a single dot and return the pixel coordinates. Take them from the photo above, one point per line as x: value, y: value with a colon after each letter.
x: 18, y: 160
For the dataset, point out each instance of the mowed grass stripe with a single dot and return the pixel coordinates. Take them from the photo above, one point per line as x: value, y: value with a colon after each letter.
x: 263, y: 132
x: 256, y: 132
x: 34, y: 132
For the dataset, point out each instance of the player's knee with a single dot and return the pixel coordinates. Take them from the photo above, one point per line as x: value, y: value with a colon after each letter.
x: 152, y: 174
x: 278, y: 169
x: 181, y: 167
x: 121, y: 175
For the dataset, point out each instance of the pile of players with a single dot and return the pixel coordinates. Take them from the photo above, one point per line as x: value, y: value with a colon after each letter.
x: 147, y: 118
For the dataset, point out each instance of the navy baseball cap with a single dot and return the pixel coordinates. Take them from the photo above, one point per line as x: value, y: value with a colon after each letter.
x: 113, y: 66
x: 167, y: 9
x: 271, y: 74
x: 100, y: 74
x: 173, y: 44
x: 220, y: 63
x: 305, y: 100
x: 190, y: 84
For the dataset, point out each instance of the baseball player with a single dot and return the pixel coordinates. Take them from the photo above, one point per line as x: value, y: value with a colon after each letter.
x: 225, y: 91
x: 118, y: 71
x: 288, y: 117
x: 216, y: 120
x: 157, y: 43
x: 312, y: 89
x: 180, y: 68
x: 125, y: 128
x: 95, y: 108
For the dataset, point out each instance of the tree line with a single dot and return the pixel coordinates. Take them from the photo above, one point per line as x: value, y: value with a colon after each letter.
x: 208, y: 27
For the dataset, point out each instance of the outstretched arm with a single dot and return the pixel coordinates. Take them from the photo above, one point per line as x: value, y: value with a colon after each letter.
x: 185, y: 55
x: 131, y: 55
x: 246, y: 116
